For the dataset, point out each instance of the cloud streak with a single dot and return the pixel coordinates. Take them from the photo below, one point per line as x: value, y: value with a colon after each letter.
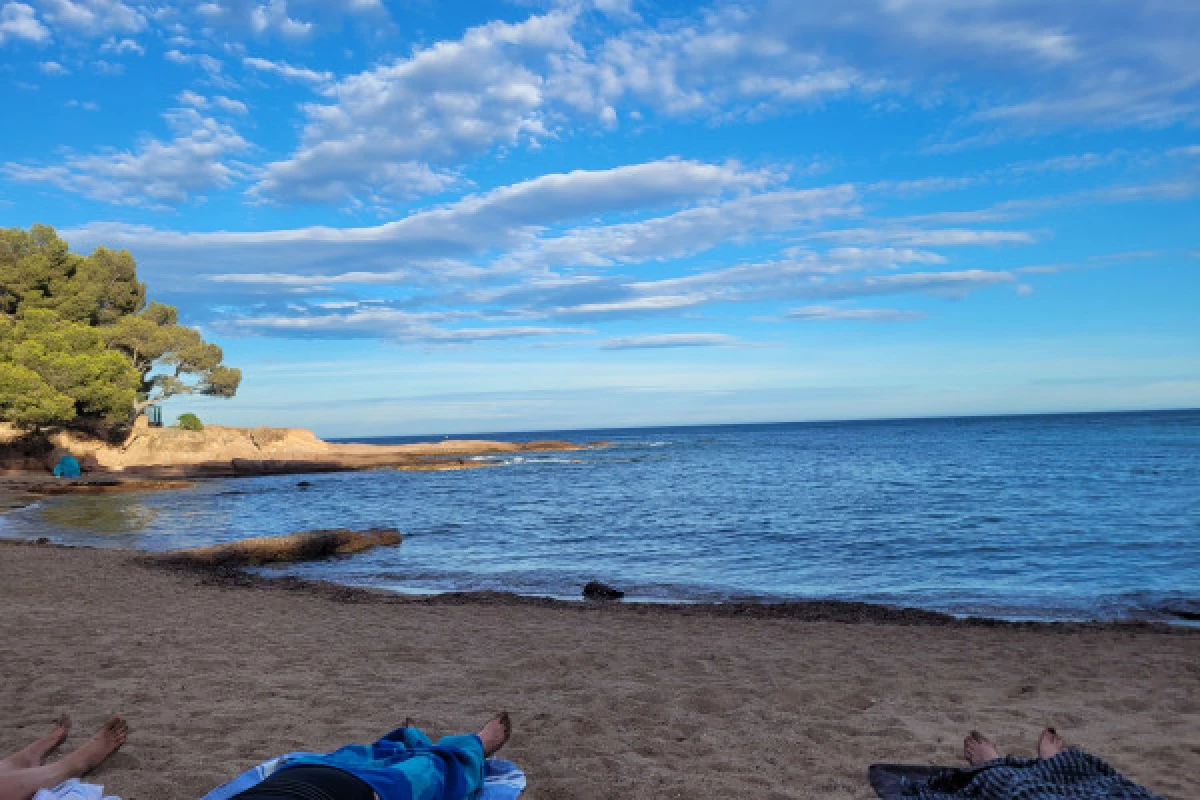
x: 656, y: 341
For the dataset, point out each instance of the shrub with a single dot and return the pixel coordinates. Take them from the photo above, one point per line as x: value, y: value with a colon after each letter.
x: 190, y: 422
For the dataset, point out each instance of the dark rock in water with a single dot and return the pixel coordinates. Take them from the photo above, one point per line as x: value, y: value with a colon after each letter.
x: 595, y: 590
x: 304, y: 484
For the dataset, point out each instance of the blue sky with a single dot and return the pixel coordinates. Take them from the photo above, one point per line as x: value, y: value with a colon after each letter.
x: 420, y: 217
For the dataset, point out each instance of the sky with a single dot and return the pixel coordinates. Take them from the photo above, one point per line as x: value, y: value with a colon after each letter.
x: 444, y: 217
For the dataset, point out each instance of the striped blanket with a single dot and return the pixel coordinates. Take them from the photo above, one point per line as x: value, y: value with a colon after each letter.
x: 1070, y: 775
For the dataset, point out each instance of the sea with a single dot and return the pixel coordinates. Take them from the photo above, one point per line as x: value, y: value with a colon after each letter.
x: 1055, y: 517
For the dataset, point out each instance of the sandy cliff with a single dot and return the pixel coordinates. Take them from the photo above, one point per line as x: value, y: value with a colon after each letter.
x: 219, y: 450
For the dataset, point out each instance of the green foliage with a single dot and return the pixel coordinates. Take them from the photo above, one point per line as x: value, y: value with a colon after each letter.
x: 172, y: 358
x: 189, y: 422
x: 78, y: 339
x: 38, y: 272
x: 52, y: 371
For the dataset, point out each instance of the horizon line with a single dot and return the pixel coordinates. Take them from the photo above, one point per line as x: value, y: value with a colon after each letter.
x: 927, y: 418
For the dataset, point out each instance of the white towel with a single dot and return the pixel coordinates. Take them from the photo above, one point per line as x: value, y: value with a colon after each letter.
x: 74, y: 790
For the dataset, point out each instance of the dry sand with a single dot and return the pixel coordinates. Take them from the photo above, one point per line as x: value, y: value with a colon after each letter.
x: 606, y: 703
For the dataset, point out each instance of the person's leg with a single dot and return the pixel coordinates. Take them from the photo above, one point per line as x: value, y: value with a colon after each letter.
x: 410, y: 736
x: 22, y: 784
x: 978, y: 749
x: 1050, y: 744
x: 35, y: 754
x: 453, y: 768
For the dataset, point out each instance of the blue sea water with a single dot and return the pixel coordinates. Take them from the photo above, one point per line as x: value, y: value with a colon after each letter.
x: 1085, y: 516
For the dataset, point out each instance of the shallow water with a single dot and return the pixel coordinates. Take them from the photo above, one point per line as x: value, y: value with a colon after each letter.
x: 1061, y: 517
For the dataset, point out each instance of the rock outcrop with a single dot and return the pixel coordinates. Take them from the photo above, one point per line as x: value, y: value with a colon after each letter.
x: 223, y: 451
x: 307, y: 546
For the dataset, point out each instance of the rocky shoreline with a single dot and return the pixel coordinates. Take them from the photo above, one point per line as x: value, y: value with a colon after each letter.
x: 162, y: 459
x: 219, y: 451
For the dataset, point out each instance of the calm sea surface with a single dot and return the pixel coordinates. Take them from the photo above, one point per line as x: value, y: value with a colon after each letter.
x: 1066, y: 516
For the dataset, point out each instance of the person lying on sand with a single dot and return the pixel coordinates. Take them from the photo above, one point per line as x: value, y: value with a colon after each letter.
x: 1058, y: 773
x: 25, y: 772
x: 403, y: 765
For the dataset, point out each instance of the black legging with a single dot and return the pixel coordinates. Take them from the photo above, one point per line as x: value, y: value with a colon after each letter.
x: 304, y: 782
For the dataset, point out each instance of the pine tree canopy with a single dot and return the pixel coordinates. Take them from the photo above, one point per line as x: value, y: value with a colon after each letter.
x: 80, y: 342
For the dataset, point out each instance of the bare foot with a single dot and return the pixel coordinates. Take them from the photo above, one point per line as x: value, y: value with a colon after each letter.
x: 103, y: 744
x: 977, y: 749
x: 35, y: 754
x: 57, y: 735
x: 1050, y: 744
x: 495, y: 733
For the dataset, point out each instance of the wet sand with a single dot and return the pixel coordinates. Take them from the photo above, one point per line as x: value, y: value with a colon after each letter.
x: 607, y: 703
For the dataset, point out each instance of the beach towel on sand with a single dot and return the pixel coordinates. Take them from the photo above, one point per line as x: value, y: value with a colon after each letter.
x: 73, y: 790
x: 1070, y: 775
x: 403, y: 765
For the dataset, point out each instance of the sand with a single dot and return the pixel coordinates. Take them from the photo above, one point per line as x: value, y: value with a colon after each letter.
x: 606, y: 703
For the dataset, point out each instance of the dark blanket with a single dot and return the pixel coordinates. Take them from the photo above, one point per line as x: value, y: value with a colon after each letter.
x: 1070, y: 775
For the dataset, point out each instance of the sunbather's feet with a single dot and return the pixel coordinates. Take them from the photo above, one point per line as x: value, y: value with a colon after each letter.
x: 58, y: 734
x: 103, y: 744
x: 1050, y: 744
x: 495, y: 733
x: 35, y: 754
x: 977, y: 749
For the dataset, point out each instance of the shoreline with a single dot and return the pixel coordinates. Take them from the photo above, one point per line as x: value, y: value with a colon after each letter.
x: 608, y: 701
x: 823, y: 611
x: 18, y: 492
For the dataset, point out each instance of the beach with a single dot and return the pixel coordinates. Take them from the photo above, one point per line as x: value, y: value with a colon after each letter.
x: 607, y: 702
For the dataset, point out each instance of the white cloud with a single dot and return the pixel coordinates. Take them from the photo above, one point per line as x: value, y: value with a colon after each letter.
x: 389, y: 323
x: 690, y: 230
x: 156, y: 173
x: 189, y: 98
x: 728, y: 60
x: 52, y: 68
x: 650, y: 304
x: 855, y: 314
x: 285, y: 70
x: 230, y: 105
x: 442, y: 105
x: 211, y: 65
x: 404, y: 128
x: 272, y: 17
x: 1112, y: 63
x: 94, y: 17
x: 667, y: 340
x: 508, y: 216
x: 955, y: 283
x: 773, y: 281
x: 122, y: 46
x: 19, y: 21
x: 916, y: 237
x: 291, y: 19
